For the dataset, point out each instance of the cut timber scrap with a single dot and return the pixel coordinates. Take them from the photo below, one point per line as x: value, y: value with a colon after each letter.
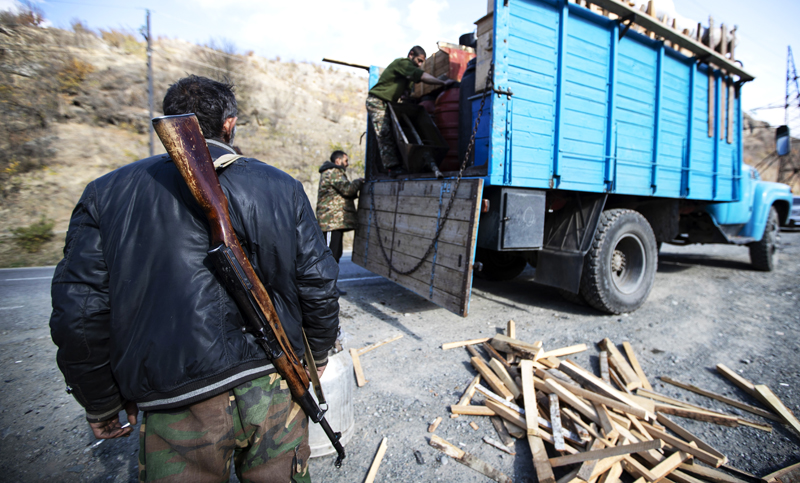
x: 506, y: 413
x: 604, y: 367
x: 663, y: 469
x: 374, y: 346
x: 490, y: 378
x: 473, y: 425
x: 434, y: 424
x: 637, y: 469
x: 784, y: 475
x: 360, y: 379
x: 684, y: 446
x: 612, y: 475
x: 589, y: 379
x: 544, y: 470
x: 453, y: 345
x: 709, y: 474
x: 572, y: 400
x: 606, y: 453
x: 468, y: 460
x: 697, y: 415
x: 618, y: 362
x: 571, y: 477
x: 776, y: 405
x: 688, y: 436
x: 474, y: 353
x: 495, y: 355
x: 564, y: 351
x: 469, y: 392
x: 719, y: 397
x: 635, y: 364
x: 529, y: 397
x: 376, y: 463
x: 502, y: 431
x: 679, y: 476
x: 498, y: 445
x: 499, y: 400
x: 503, y: 375
x: 609, y: 431
x: 555, y: 421
x: 515, y: 344
x: 740, y: 381
x: 471, y: 410
x: 611, y: 403
x: 587, y: 467
x: 511, y: 329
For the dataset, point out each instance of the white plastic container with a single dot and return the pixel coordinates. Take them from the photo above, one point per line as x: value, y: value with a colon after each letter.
x: 337, y: 385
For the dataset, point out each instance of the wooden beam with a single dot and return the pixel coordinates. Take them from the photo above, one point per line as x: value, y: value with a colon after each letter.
x: 469, y: 392
x: 605, y: 453
x: 360, y: 379
x: 506, y: 413
x: 374, y: 346
x: 502, y: 432
x: 719, y: 397
x: 779, y: 475
x: 434, y: 424
x: 511, y: 329
x: 491, y: 378
x: 709, y: 417
x: 609, y: 431
x: 544, y: 471
x: 635, y: 364
x: 501, y: 339
x: 498, y: 445
x: 618, y: 362
x: 604, y: 367
x: 471, y: 410
x: 529, y: 398
x: 740, y: 381
x: 710, y: 474
x: 564, y: 351
x: 572, y: 400
x: 494, y: 355
x: 663, y: 469
x: 775, y: 403
x: 688, y: 436
x: 637, y: 469
x: 468, y: 460
x: 503, y: 375
x: 499, y: 400
x: 453, y: 345
x: 684, y: 446
x: 587, y: 467
x: 555, y: 421
x: 587, y: 378
x: 376, y: 463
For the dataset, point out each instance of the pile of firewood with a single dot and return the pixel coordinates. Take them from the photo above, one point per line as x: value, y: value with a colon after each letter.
x: 599, y: 426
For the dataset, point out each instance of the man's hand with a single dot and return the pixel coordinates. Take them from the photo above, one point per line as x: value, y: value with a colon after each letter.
x: 113, y: 428
x: 320, y: 370
x: 449, y: 82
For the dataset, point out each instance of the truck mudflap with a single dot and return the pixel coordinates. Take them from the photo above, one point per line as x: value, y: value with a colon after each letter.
x: 397, y: 223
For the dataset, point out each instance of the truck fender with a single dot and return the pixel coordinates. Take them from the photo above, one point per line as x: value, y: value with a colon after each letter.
x: 767, y: 194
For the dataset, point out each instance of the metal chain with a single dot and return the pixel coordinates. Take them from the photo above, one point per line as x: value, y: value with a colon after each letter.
x: 470, y: 147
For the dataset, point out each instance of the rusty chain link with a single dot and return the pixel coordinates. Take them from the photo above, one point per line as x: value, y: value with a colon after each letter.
x: 489, y: 88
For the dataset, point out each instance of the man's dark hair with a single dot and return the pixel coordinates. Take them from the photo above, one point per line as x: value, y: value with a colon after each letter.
x: 337, y: 155
x: 417, y: 51
x: 211, y: 101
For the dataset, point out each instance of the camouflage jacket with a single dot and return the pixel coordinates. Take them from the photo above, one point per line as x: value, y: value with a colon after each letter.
x: 335, y: 207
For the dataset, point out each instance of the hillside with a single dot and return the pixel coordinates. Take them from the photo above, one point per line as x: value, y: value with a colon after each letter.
x: 76, y: 108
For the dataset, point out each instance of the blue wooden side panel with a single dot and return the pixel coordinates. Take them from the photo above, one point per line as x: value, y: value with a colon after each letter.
x: 591, y: 112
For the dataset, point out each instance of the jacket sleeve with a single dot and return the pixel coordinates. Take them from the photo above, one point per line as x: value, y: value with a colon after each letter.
x: 80, y: 322
x: 316, y: 276
x: 338, y: 180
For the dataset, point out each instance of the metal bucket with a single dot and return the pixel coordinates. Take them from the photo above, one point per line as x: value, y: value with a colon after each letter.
x: 337, y: 385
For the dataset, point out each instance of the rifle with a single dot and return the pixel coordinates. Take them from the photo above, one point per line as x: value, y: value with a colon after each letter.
x: 183, y: 139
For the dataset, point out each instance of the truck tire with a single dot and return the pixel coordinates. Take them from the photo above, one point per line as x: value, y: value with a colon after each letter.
x: 573, y: 298
x: 620, y: 267
x: 762, y: 253
x: 499, y: 266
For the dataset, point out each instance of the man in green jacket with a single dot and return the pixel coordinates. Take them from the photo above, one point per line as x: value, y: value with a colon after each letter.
x: 336, y: 211
x: 395, y: 80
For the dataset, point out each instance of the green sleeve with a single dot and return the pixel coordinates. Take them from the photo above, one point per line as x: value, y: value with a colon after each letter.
x: 344, y: 186
x: 409, y: 69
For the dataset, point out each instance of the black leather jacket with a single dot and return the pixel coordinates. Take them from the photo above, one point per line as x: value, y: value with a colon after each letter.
x: 138, y: 313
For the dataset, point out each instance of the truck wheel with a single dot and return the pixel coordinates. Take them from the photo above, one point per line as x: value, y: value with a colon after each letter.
x: 573, y: 298
x: 762, y: 253
x: 499, y: 266
x: 619, y: 270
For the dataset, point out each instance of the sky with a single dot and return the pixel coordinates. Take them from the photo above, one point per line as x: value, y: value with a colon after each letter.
x: 374, y: 32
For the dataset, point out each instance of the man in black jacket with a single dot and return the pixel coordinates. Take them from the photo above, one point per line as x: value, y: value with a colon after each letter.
x: 140, y: 317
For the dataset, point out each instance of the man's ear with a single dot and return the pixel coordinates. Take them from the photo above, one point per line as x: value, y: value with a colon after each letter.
x: 227, y: 129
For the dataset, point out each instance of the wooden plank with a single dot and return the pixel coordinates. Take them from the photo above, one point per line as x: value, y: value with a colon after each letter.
x: 468, y: 460
x: 544, y: 471
x: 420, y: 188
x: 564, y: 351
x: 376, y: 463
x: 469, y: 392
x: 489, y: 348
x: 663, y: 469
x: 498, y: 445
x: 491, y: 379
x: 360, y: 379
x: 473, y: 425
x: 612, y: 475
x: 684, y: 446
x: 719, y: 397
x: 705, y: 416
x: 447, y: 254
x: 710, y: 474
x: 618, y: 362
x: 688, y: 436
x: 374, y: 346
x: 680, y: 477
x: 609, y: 431
x: 430, y: 207
x: 517, y: 344
x: 435, y: 424
x: 712, y: 92
x: 635, y: 364
x: 511, y: 329
x: 501, y: 372
x: 793, y: 472
x: 740, y: 381
x: 606, y: 452
x: 472, y: 410
x: 777, y: 406
x: 604, y: 367
x: 462, y: 343
x: 587, y: 467
x: 499, y: 400
x: 555, y: 421
x: 502, y: 431
x: 506, y: 413
x: 572, y: 400
x: 578, y: 373
x: 637, y: 469
x: 529, y: 398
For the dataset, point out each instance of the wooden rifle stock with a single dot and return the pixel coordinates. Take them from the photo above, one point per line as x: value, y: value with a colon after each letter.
x: 184, y: 141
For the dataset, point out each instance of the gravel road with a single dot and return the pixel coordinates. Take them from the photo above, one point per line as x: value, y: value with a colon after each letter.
x: 707, y: 307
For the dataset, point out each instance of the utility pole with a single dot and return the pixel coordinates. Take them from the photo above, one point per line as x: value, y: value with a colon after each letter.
x: 150, y: 78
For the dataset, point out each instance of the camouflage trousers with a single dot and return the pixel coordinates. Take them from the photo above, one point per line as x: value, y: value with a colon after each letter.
x: 381, y: 122
x: 256, y: 423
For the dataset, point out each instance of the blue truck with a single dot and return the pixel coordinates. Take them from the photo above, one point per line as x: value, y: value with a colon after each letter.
x: 596, y: 144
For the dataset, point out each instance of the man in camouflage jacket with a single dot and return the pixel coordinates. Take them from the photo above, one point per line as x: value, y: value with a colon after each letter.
x: 336, y: 211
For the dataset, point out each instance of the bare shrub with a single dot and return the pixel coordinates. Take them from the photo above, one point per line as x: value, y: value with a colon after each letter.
x: 123, y: 40
x: 72, y: 74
